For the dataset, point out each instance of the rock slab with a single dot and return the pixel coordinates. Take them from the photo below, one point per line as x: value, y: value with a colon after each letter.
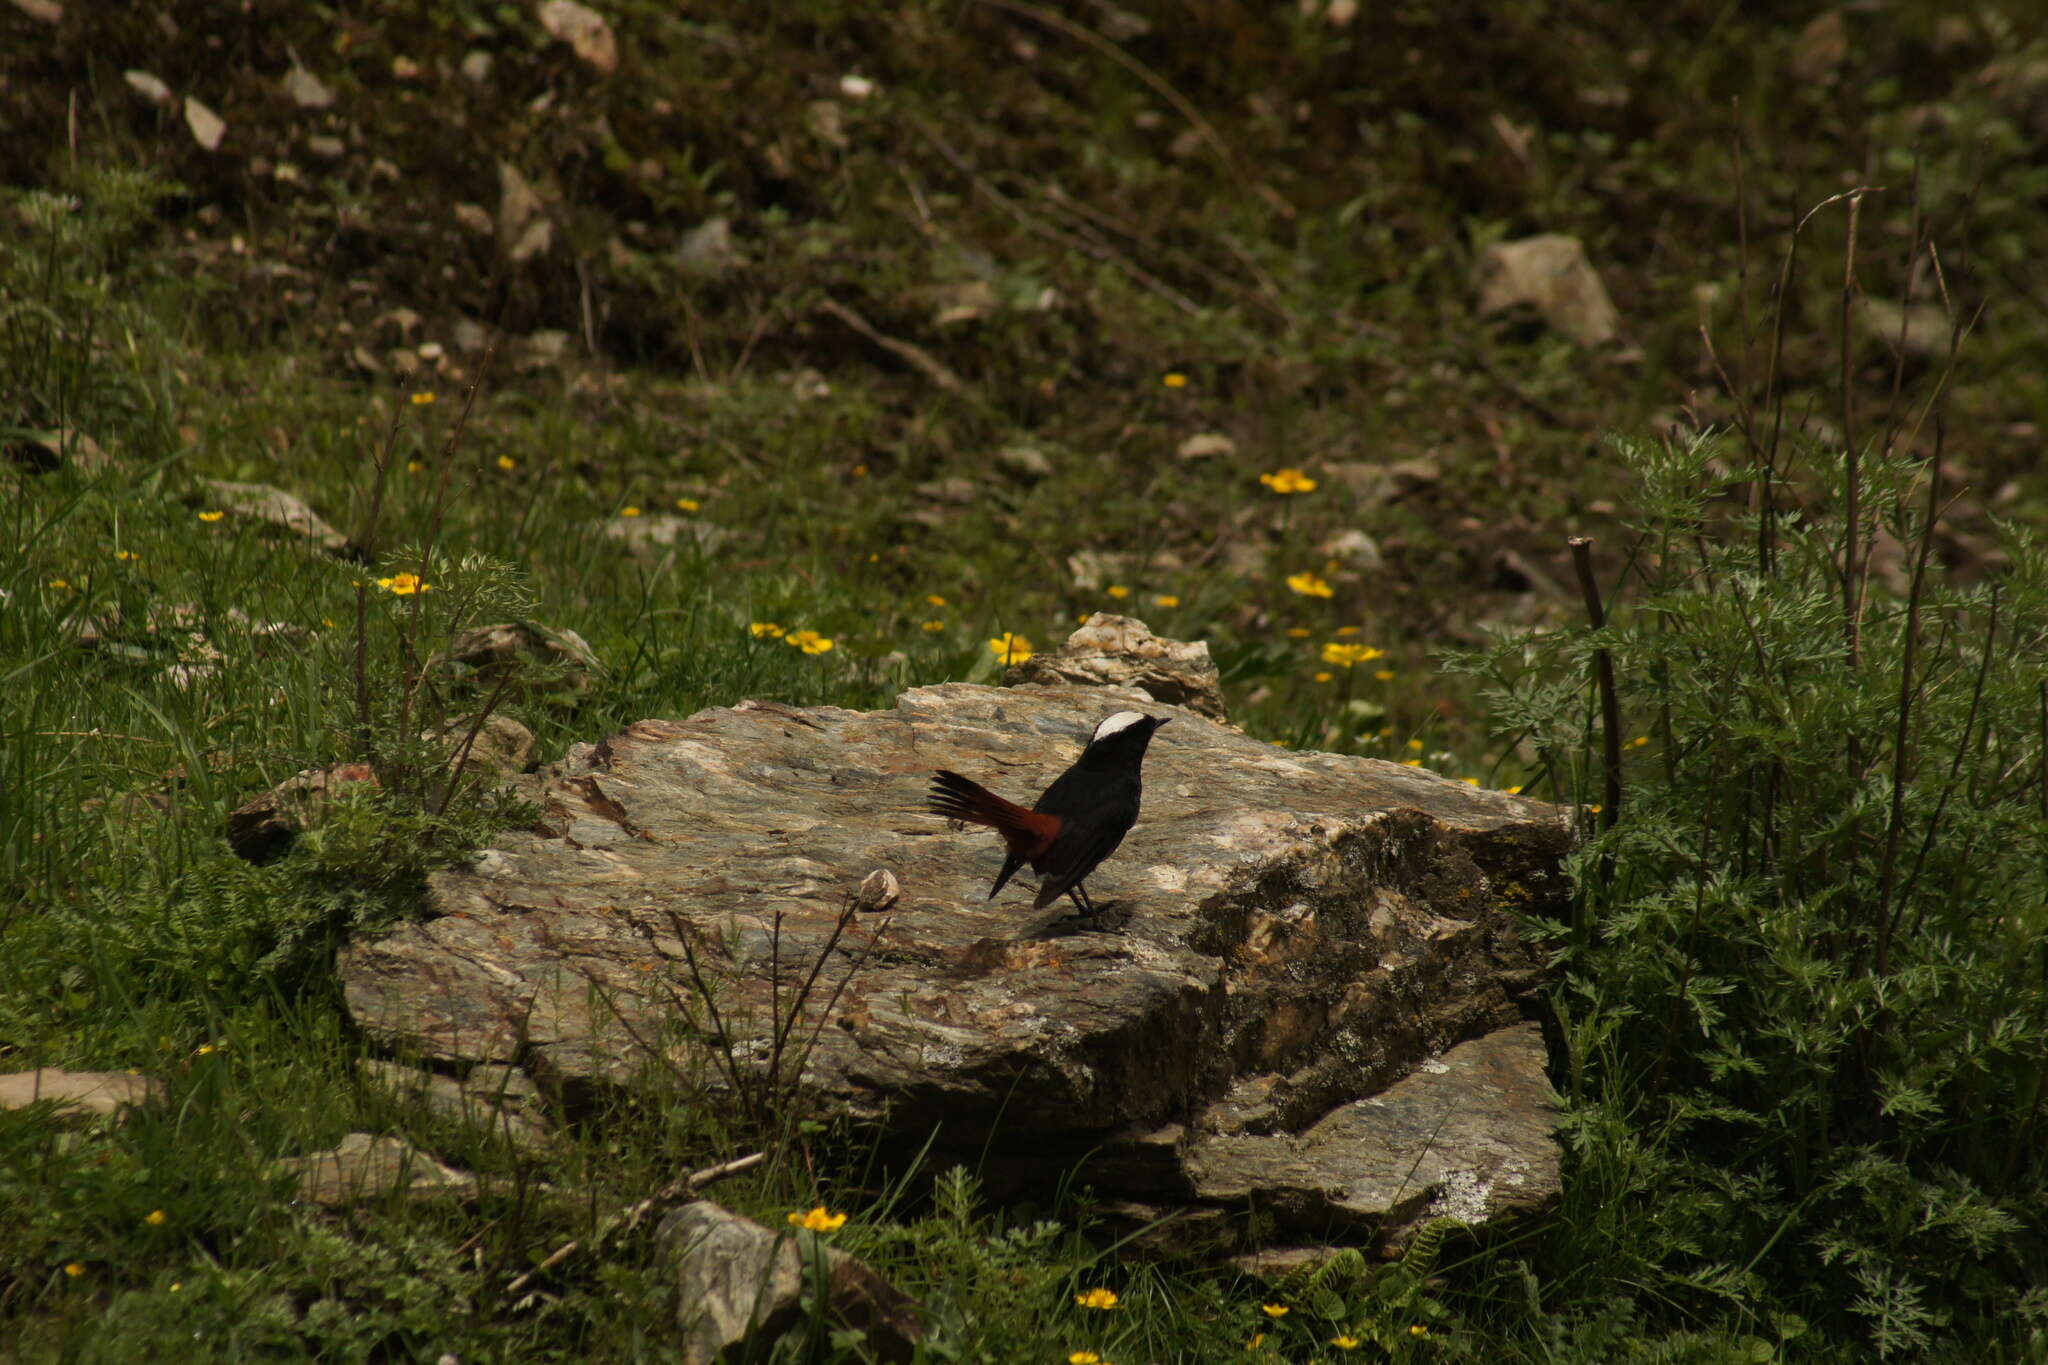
x: 1295, y: 948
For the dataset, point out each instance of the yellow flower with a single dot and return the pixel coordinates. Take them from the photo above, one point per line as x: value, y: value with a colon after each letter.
x: 422, y: 399
x: 1639, y: 741
x: 1097, y: 1298
x: 1010, y: 648
x: 1310, y: 585
x: 126, y: 555
x: 1085, y: 1358
x: 1288, y: 481
x: 933, y: 626
x: 1596, y: 808
x: 60, y: 584
x: 1345, y: 655
x: 1471, y: 781
x: 1118, y: 591
x: 210, y: 517
x: 156, y: 1218
x: 507, y: 462
x: 1167, y: 599
x: 1258, y: 1340
x: 74, y: 1270
x: 1347, y: 630
x: 1299, y: 632
x: 1385, y: 674
x: 1515, y: 790
x: 1418, y: 1330
x: 767, y: 628
x: 1324, y: 677
x: 688, y: 504
x: 935, y: 599
x: 860, y: 471
x: 1411, y: 762
x: 809, y: 641
x: 1174, y: 379
x: 206, y: 1048
x: 415, y: 466
x: 1345, y: 1342
x: 1274, y: 1310
x: 405, y: 584
x: 1415, y: 746
x: 817, y: 1220
x: 629, y: 511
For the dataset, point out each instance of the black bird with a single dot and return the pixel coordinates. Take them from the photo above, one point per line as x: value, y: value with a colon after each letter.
x: 1079, y: 821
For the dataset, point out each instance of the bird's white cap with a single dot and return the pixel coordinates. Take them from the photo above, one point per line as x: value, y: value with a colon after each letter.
x: 1122, y: 720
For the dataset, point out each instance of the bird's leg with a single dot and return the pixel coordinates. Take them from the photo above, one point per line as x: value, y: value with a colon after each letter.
x: 1079, y: 895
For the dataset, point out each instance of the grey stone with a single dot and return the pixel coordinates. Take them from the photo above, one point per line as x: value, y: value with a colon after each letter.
x: 77, y: 1092
x: 742, y: 1286
x: 499, y: 1098
x: 1122, y: 652
x: 1299, y: 932
x: 261, y: 502
x: 364, y: 1166
x: 1552, y: 273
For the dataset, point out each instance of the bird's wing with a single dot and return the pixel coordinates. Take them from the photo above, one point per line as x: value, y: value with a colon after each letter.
x: 1080, y: 848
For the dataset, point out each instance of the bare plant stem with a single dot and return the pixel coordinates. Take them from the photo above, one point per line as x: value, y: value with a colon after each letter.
x: 1603, y: 676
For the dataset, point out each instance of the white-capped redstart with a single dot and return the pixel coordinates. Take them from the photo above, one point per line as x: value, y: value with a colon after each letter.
x: 1079, y: 821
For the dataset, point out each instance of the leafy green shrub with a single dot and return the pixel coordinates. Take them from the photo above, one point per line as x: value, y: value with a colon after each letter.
x: 1803, y: 994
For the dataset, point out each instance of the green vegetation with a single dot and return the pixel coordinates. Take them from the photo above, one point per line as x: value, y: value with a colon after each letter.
x: 1802, y: 1022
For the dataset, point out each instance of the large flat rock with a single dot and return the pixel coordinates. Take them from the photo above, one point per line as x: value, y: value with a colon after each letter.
x: 1291, y: 934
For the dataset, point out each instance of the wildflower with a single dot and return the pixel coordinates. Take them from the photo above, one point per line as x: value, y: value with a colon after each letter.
x: 1344, y: 1342
x: 74, y: 1270
x: 1639, y: 741
x: 1174, y: 379
x: 1310, y: 585
x: 1385, y: 674
x: 933, y: 626
x: 629, y: 511
x: 1085, y: 1358
x: 1299, y: 632
x: 1345, y: 655
x: 507, y: 462
x: 424, y: 398
x: 156, y: 1218
x: 177, y: 1285
x: 1471, y: 781
x: 766, y: 628
x: 1418, y: 1330
x: 935, y: 599
x: 1097, y: 1298
x: 1010, y: 648
x: 1166, y: 599
x: 809, y: 641
x: 1325, y: 677
x: 817, y: 1220
x: 60, y: 584
x: 1595, y: 808
x: 1347, y: 630
x: 1274, y: 1310
x: 1515, y: 790
x: 405, y: 584
x: 1118, y: 591
x: 415, y: 466
x: 688, y: 504
x: 211, y: 517
x: 205, y: 1048
x: 1415, y: 746
x: 126, y: 555
x: 860, y: 471
x: 1258, y: 1340
x: 1288, y: 481
x: 1411, y: 762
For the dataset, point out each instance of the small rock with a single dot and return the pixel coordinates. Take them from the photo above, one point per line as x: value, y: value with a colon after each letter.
x: 1923, y: 328
x: 1026, y: 462
x: 490, y: 650
x: 743, y: 1286
x: 44, y: 451
x: 951, y: 492
x: 77, y: 1092
x: 42, y: 11
x: 363, y: 1166
x: 647, y: 535
x: 1207, y: 445
x: 856, y: 87
x: 707, y: 251
x: 585, y: 31
x: 1094, y: 570
x: 1119, y: 651
x: 476, y: 67
x: 878, y: 890
x: 827, y: 123
x: 1552, y: 273
x: 1354, y: 546
x: 523, y: 228
x: 307, y: 90
x: 262, y: 502
x: 500, y: 1098
x: 1819, y: 50
x: 502, y: 748
x: 148, y: 86
x: 326, y: 147
x: 208, y: 128
x: 263, y: 828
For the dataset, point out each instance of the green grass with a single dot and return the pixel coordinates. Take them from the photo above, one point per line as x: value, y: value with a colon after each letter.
x: 146, y: 695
